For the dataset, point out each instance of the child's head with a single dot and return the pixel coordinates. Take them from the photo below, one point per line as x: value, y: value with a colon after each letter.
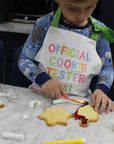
x: 76, y: 12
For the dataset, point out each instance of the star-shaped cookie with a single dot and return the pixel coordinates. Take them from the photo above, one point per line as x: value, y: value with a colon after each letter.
x: 56, y: 115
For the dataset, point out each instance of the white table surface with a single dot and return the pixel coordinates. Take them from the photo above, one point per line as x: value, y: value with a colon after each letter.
x: 35, y: 131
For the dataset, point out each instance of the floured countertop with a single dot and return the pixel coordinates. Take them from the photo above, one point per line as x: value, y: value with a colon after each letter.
x: 19, y: 122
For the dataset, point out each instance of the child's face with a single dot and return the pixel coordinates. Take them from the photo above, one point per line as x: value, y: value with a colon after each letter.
x: 76, y: 13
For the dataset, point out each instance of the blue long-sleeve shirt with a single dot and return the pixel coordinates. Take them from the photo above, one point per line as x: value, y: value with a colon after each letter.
x: 34, y: 72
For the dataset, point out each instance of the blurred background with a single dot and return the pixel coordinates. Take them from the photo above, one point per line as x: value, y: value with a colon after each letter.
x: 16, y: 20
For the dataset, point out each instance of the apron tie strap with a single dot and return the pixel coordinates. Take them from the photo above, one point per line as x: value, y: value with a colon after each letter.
x: 106, y: 32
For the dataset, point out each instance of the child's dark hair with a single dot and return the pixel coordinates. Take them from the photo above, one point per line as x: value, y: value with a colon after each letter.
x: 77, y: 0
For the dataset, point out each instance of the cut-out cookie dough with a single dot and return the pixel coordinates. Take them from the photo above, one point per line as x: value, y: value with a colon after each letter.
x: 32, y: 103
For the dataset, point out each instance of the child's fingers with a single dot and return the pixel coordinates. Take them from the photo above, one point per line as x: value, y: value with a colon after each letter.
x: 52, y: 92
x: 103, y: 105
x: 93, y: 100
x: 46, y: 91
x: 110, y: 106
x: 63, y: 92
x: 54, y: 88
x: 97, y: 103
x: 57, y: 93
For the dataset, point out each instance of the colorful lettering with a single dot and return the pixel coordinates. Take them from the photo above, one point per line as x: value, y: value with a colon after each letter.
x: 58, y: 49
x: 60, y: 62
x: 63, y: 49
x: 82, y: 56
x: 62, y: 73
x: 87, y: 57
x: 72, y: 52
x: 75, y: 77
x: 83, y: 68
x: 69, y: 74
x: 81, y: 78
x: 50, y: 61
x: 67, y: 64
x: 54, y: 74
x: 52, y: 48
x: 49, y: 70
x: 67, y: 51
x: 74, y: 65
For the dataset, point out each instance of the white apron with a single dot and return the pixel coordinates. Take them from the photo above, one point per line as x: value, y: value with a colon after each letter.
x: 71, y: 58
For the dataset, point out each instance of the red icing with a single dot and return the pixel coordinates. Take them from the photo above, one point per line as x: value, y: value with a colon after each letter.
x: 83, y: 118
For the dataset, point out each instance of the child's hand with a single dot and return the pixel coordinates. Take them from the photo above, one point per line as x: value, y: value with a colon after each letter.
x: 102, y: 102
x: 54, y: 88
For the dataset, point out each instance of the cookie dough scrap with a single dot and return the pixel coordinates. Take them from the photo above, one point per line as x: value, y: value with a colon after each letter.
x: 56, y: 115
x: 1, y: 104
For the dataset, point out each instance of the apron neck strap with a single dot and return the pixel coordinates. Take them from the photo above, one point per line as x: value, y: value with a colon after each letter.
x: 106, y: 32
x: 56, y: 18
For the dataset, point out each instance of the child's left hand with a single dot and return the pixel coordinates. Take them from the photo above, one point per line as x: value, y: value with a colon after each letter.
x: 101, y: 102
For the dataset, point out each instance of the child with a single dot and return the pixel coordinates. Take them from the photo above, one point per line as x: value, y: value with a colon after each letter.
x: 65, y: 50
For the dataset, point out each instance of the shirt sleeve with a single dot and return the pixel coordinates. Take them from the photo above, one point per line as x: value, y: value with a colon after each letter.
x: 106, y: 76
x: 30, y: 68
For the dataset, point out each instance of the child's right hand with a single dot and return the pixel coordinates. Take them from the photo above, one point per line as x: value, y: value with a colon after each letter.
x: 54, y: 88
